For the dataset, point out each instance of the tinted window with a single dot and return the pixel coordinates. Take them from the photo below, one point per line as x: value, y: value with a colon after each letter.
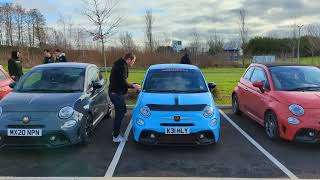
x: 296, y: 78
x: 248, y: 74
x: 175, y: 81
x: 52, y: 80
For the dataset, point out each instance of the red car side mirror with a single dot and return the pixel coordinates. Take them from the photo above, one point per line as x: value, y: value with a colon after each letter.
x: 259, y: 84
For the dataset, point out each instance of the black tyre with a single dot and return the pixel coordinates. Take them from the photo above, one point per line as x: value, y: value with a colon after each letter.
x: 271, y: 126
x: 235, y: 105
x: 87, y: 130
x: 109, y: 112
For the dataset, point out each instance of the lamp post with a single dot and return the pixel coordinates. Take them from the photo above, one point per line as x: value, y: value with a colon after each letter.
x: 299, y: 36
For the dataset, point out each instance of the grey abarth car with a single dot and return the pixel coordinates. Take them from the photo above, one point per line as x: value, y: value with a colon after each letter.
x: 54, y: 105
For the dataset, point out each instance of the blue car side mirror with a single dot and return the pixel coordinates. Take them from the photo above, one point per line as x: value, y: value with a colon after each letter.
x: 212, y: 86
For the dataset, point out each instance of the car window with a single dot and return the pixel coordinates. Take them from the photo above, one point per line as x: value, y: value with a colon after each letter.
x: 259, y: 75
x: 2, y: 76
x: 175, y: 81
x: 93, y: 76
x: 52, y: 80
x: 248, y: 73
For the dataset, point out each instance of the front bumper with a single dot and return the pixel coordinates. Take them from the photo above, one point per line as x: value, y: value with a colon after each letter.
x: 307, y: 131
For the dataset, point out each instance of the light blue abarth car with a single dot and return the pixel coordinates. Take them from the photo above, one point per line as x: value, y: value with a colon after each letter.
x: 175, y: 107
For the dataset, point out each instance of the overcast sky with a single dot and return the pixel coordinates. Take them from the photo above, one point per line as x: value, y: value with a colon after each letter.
x: 178, y: 19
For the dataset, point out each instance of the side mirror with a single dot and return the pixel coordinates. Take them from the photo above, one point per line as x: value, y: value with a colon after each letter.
x: 212, y: 86
x: 259, y: 84
x: 12, y: 85
x: 96, y: 85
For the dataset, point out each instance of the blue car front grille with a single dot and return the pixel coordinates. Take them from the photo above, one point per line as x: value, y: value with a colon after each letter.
x: 160, y: 107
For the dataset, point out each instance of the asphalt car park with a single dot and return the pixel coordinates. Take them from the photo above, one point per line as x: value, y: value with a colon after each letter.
x: 233, y: 156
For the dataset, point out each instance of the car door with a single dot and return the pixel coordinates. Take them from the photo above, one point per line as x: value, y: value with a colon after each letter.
x: 243, y: 86
x: 257, y: 99
x: 97, y: 97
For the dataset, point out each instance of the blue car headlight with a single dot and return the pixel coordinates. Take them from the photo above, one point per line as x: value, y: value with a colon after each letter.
x: 208, y: 111
x: 66, y: 112
x: 213, y: 122
x: 140, y: 122
x: 145, y: 111
x: 296, y: 109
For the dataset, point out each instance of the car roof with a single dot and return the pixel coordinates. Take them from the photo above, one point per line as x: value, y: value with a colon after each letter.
x: 173, y: 66
x: 269, y: 65
x: 62, y: 65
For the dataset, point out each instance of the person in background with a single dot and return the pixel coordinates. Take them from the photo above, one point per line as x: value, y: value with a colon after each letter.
x: 47, y: 57
x: 118, y: 87
x: 185, y: 59
x: 15, y: 66
x: 60, y: 57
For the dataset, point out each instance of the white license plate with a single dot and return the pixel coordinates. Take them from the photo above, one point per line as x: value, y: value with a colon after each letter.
x: 24, y: 132
x: 177, y: 130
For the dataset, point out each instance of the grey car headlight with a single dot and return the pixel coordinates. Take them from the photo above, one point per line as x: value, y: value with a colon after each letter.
x: 66, y: 112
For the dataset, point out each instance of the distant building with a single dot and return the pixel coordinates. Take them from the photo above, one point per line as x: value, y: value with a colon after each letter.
x: 232, y: 54
x: 177, y: 46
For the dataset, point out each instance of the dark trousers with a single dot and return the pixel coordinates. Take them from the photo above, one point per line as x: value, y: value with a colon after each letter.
x: 120, y: 110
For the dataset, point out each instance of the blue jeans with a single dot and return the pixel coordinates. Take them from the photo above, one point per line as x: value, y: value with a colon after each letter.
x: 120, y: 110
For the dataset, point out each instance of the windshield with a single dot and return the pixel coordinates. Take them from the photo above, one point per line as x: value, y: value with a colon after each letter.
x: 296, y: 78
x: 52, y: 80
x: 175, y: 81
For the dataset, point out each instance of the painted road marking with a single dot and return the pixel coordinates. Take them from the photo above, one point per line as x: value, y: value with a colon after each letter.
x: 118, y: 153
x: 260, y: 148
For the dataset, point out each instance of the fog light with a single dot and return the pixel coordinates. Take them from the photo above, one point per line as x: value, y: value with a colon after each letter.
x: 201, y: 136
x: 311, y: 134
x: 293, y: 121
x: 140, y: 122
x: 53, y: 138
x: 213, y: 122
x: 0, y: 138
x: 152, y: 136
x: 69, y: 124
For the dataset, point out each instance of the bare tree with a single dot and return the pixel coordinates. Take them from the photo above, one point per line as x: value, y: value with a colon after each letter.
x: 149, y: 25
x: 195, y: 43
x: 127, y: 42
x: 243, y: 29
x: 100, y: 13
x: 313, y: 37
x: 215, y: 43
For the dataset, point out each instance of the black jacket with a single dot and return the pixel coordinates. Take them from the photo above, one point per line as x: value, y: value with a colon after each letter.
x: 48, y: 60
x: 185, y: 60
x: 15, y: 68
x: 61, y: 58
x: 118, y: 77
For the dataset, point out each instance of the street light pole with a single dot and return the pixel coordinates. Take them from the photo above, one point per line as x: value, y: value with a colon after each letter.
x: 299, y: 36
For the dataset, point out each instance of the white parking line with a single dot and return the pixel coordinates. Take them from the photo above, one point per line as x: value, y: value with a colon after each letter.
x: 260, y: 148
x: 118, y: 153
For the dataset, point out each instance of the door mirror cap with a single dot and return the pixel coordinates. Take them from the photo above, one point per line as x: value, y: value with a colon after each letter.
x: 12, y: 85
x: 212, y: 86
x: 259, y: 84
x: 96, y: 85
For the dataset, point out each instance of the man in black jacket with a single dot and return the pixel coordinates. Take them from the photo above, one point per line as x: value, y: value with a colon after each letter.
x: 15, y: 66
x: 60, y: 57
x: 185, y: 59
x: 118, y: 87
x: 47, y: 57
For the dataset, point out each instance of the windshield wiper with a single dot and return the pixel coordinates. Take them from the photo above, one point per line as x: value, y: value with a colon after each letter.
x: 306, y: 88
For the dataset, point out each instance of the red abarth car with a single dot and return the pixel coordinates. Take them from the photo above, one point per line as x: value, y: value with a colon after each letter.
x: 5, y: 80
x: 285, y: 99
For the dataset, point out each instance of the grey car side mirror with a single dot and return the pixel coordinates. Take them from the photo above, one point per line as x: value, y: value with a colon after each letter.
x: 12, y: 85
